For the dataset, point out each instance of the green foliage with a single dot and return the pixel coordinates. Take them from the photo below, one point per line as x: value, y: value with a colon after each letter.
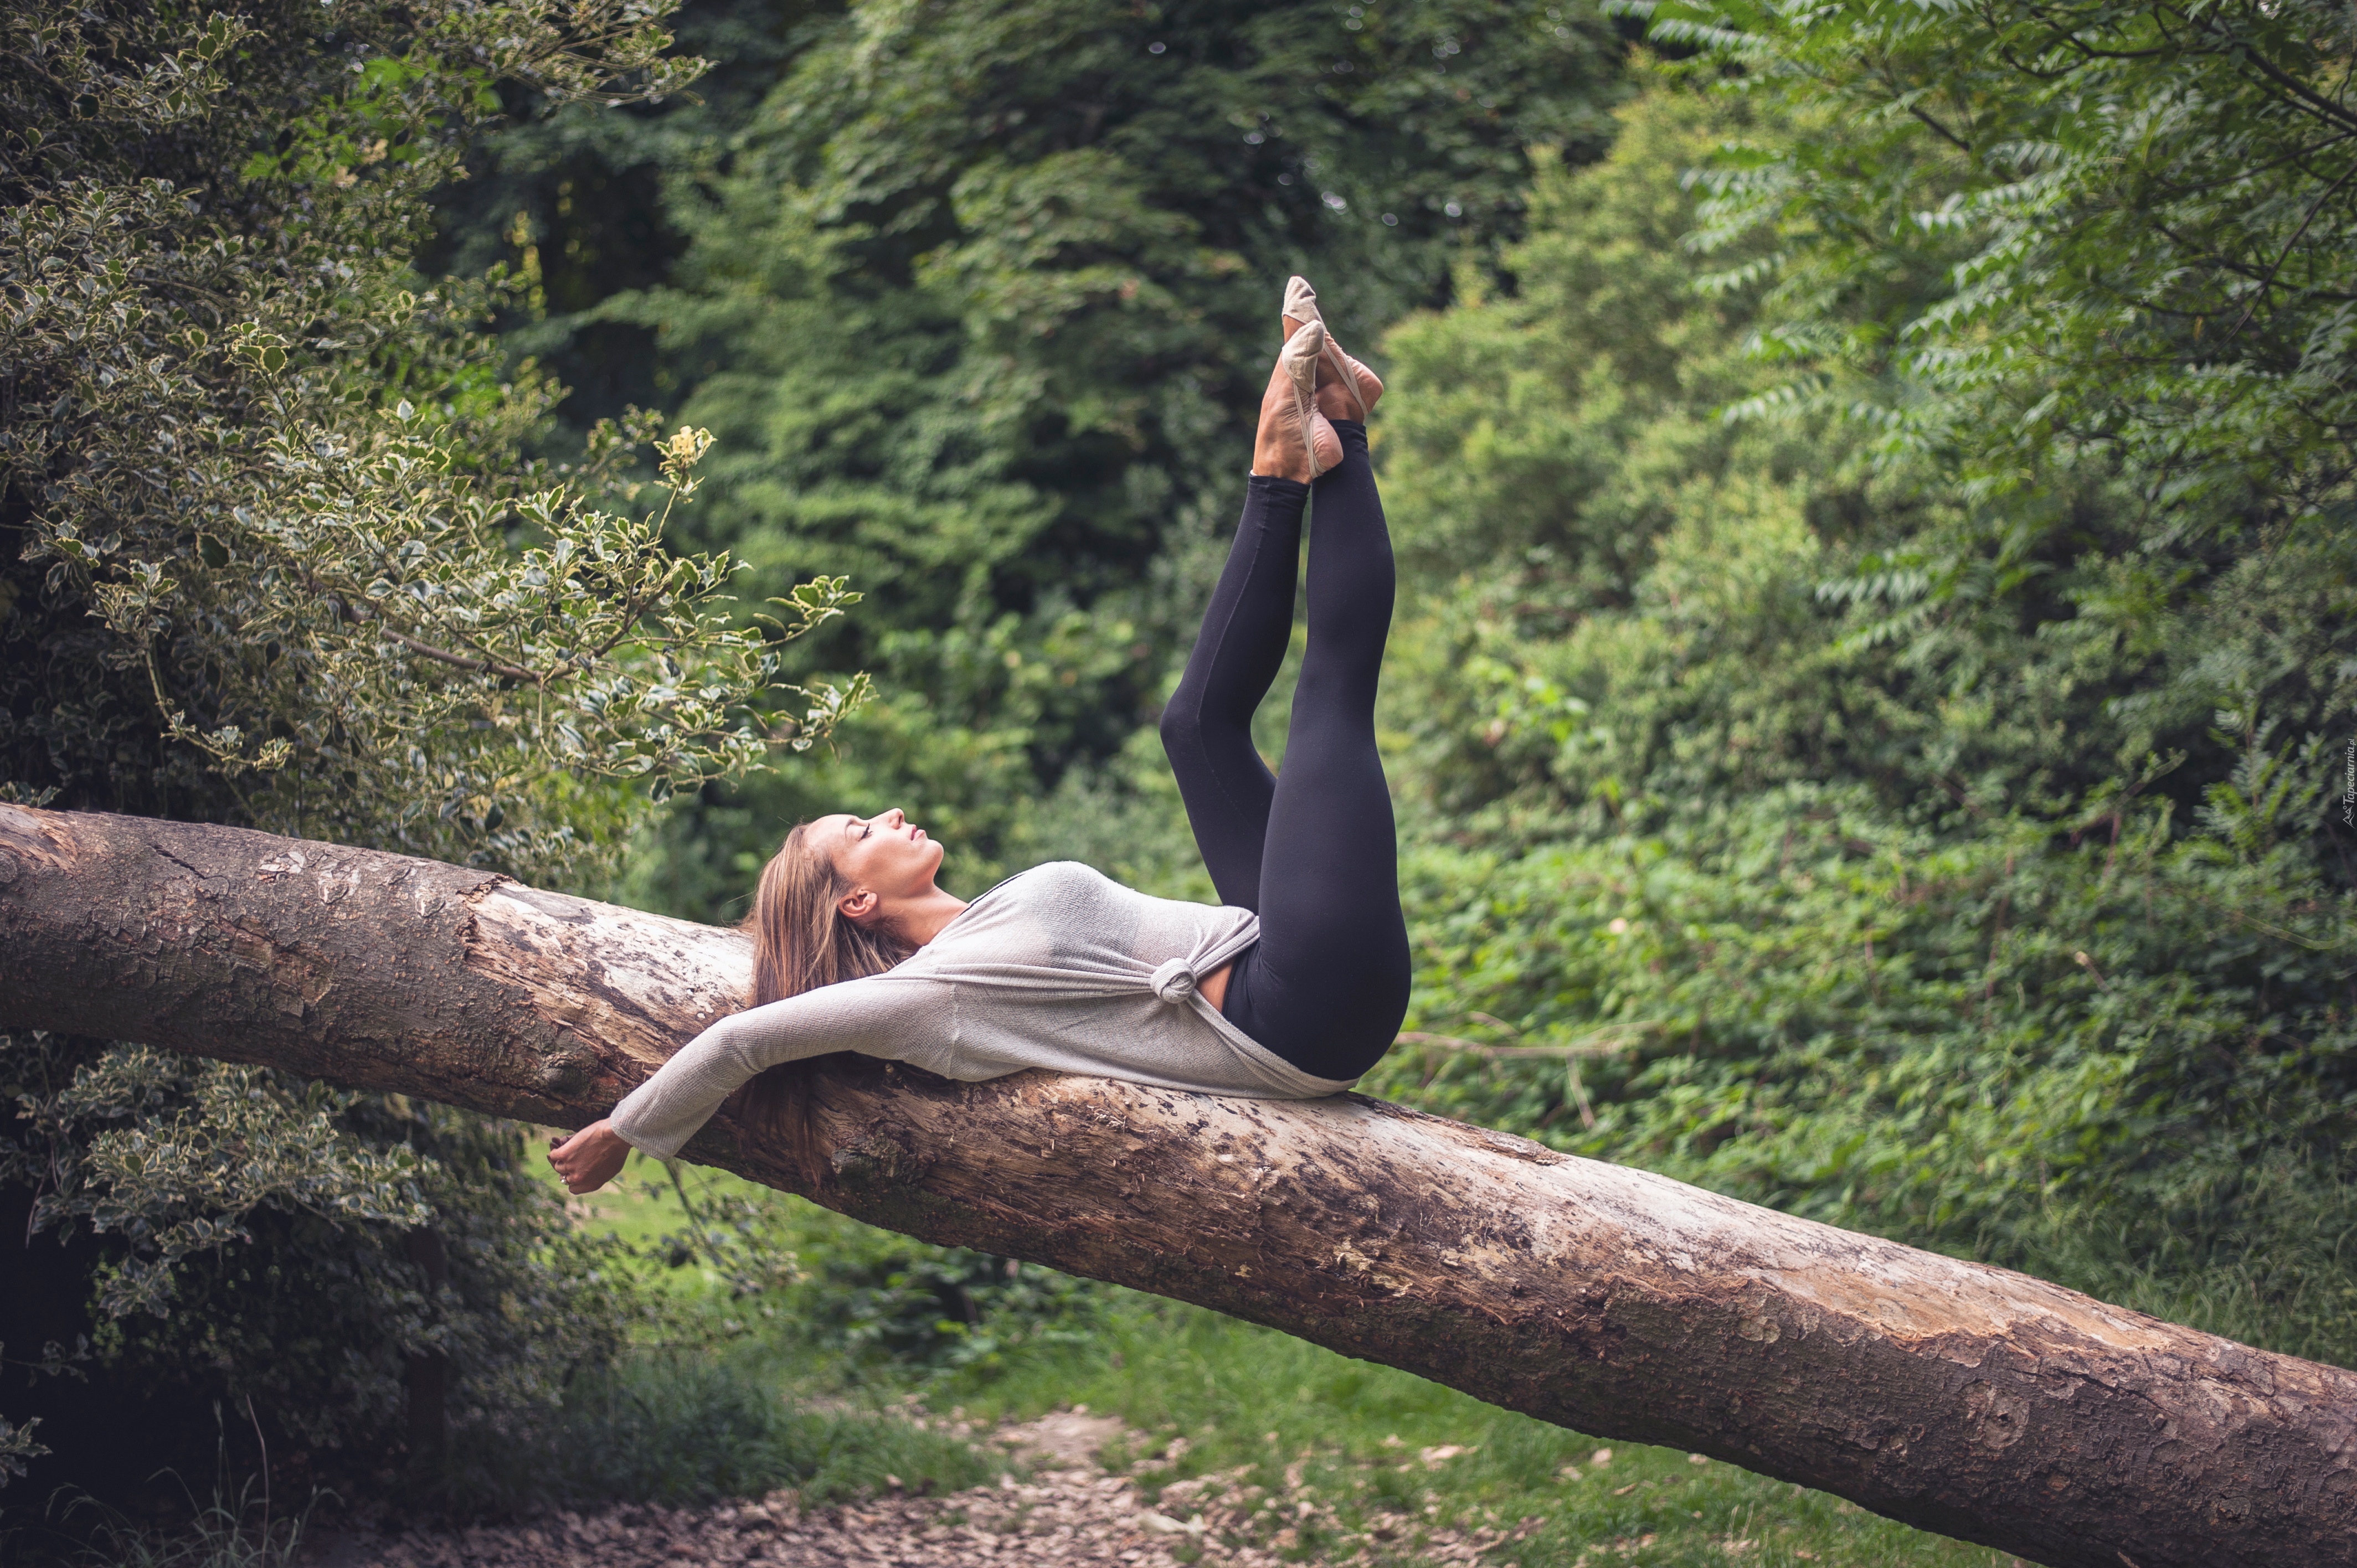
x: 185, y: 1178
x: 17, y: 1445
x: 2141, y: 217
x: 979, y: 300
x: 269, y: 497
x: 1798, y: 815
x: 2094, y: 263
x: 735, y: 1234
x: 698, y: 1425
x: 273, y: 558
x: 877, y: 1303
x: 230, y: 1233
x: 943, y: 1308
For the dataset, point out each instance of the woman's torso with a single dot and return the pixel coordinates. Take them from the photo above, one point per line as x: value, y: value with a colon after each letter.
x: 1064, y: 968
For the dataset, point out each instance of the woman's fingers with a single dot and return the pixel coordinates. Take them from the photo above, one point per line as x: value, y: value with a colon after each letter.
x: 588, y: 1159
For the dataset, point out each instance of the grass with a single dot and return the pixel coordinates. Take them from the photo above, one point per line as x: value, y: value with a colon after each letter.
x: 78, y: 1530
x: 740, y: 1404
x: 1326, y: 1455
x: 686, y: 1428
x: 1252, y: 1432
x: 643, y: 1205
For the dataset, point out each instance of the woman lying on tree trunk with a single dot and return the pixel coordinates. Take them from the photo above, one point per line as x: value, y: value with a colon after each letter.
x: 1289, y: 990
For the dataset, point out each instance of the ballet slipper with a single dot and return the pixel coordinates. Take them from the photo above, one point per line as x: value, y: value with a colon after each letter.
x: 1289, y: 409
x: 1347, y: 375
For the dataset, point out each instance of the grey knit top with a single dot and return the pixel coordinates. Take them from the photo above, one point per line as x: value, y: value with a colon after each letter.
x: 1060, y: 967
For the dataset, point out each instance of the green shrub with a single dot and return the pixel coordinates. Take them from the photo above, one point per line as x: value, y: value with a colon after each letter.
x: 945, y: 1308
x: 1978, y: 927
x: 697, y: 1425
x: 270, y: 557
x: 347, y: 1274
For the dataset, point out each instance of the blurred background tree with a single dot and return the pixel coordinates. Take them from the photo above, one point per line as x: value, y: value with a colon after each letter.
x: 978, y: 300
x: 1879, y: 688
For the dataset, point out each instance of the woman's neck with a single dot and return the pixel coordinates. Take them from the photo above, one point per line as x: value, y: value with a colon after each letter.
x: 920, y: 920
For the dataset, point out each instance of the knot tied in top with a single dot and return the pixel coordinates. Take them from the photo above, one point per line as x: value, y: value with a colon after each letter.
x: 1175, y: 981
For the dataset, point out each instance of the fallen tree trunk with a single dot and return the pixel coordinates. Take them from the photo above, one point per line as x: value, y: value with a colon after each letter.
x: 1968, y: 1400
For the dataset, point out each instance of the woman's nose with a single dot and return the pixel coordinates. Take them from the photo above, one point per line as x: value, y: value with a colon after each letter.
x: 899, y: 817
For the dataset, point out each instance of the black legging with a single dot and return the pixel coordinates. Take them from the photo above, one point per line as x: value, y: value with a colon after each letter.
x: 1311, y: 850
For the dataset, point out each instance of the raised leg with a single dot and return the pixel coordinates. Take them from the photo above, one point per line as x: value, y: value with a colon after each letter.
x: 1206, y: 726
x: 1328, y: 984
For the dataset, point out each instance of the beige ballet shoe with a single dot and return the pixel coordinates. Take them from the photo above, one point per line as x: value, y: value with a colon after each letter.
x: 1289, y: 409
x: 1353, y: 379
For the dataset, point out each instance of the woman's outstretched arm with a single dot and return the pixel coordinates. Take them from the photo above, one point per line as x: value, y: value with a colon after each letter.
x: 904, y: 1018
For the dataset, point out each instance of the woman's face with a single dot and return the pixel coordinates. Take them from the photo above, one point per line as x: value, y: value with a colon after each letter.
x: 887, y: 853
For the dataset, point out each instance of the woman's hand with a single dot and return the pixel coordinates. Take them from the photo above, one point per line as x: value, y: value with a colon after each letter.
x: 590, y: 1158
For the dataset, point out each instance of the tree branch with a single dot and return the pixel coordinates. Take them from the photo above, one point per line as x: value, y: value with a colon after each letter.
x: 461, y: 661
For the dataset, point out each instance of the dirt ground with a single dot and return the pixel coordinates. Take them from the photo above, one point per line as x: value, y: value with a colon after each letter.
x: 1069, y: 1512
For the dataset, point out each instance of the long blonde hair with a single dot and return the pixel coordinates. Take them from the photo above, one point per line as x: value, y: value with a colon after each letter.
x: 801, y: 941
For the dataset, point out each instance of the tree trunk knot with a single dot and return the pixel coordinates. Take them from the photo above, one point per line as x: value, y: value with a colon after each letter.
x: 1994, y: 1419
x: 876, y: 1160
x: 1175, y: 981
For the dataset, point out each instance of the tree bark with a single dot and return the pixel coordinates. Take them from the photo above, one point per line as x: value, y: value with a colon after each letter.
x: 1963, y: 1399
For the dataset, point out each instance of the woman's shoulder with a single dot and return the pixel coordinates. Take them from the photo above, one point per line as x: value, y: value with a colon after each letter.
x: 1056, y: 886
x: 1045, y: 880
x: 1069, y: 896
x: 1059, y: 893
x: 1066, y: 874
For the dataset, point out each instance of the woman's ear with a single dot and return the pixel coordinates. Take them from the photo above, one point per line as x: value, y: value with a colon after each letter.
x: 858, y: 905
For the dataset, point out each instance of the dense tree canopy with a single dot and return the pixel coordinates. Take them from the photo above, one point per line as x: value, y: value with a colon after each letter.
x: 1883, y: 681
x: 979, y: 299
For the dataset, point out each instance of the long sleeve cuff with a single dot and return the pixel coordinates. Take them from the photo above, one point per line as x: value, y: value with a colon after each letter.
x: 630, y: 1129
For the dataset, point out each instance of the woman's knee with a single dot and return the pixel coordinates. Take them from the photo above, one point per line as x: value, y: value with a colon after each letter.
x: 1182, y: 723
x: 1190, y: 727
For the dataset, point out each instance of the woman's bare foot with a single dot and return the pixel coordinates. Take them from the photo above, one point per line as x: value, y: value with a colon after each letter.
x: 1335, y: 394
x: 1295, y: 440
